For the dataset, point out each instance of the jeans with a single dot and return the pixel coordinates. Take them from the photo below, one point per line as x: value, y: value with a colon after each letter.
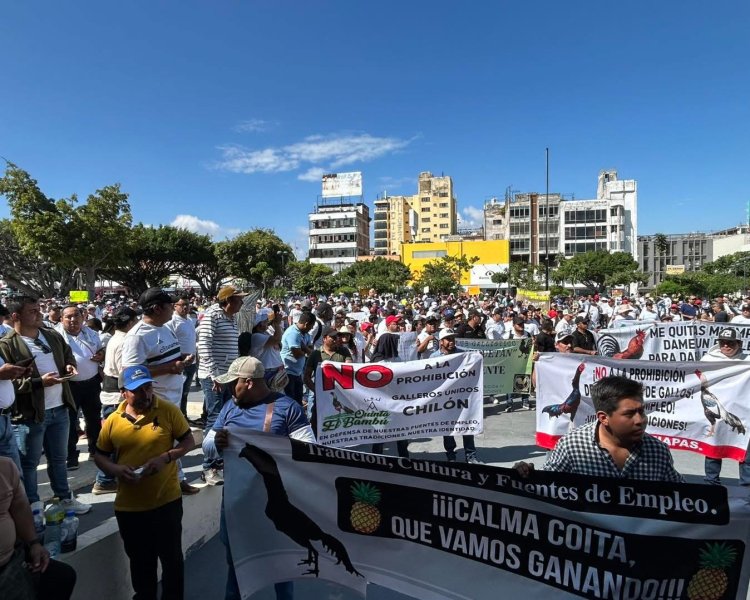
x: 150, y: 536
x: 284, y: 590
x: 189, y: 373
x: 713, y: 470
x: 294, y: 389
x: 86, y: 396
x: 214, y: 401
x: 449, y: 443
x: 52, y: 434
x: 101, y: 476
x: 8, y: 446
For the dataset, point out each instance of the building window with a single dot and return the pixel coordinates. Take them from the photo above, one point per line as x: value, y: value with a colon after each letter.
x: 425, y: 219
x: 426, y: 209
x: 426, y: 199
x: 444, y: 226
x: 429, y: 253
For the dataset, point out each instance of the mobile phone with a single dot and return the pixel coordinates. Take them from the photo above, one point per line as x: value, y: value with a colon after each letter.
x: 26, y: 362
x: 65, y: 377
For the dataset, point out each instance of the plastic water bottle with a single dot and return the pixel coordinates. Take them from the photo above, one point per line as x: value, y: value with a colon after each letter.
x: 39, y: 525
x: 53, y: 515
x: 69, y: 539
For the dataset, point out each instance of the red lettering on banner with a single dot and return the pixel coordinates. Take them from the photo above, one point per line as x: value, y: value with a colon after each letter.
x: 343, y: 375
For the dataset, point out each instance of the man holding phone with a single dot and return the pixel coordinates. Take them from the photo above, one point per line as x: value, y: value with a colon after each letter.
x: 86, y: 384
x: 43, y: 398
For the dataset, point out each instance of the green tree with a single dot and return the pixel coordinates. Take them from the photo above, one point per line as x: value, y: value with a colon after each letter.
x: 519, y: 274
x: 600, y: 269
x: 255, y: 256
x: 310, y: 278
x: 702, y: 284
x: 386, y: 276
x: 28, y: 274
x: 200, y: 262
x: 153, y: 254
x: 443, y: 275
x: 64, y: 232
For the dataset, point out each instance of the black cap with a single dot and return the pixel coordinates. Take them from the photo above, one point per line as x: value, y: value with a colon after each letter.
x: 154, y: 296
x: 331, y: 332
x: 581, y: 320
x: 729, y: 334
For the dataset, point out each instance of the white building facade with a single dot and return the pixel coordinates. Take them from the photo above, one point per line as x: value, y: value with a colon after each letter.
x: 339, y: 232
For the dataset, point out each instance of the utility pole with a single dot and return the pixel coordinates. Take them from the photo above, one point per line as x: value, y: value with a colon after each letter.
x: 546, y: 225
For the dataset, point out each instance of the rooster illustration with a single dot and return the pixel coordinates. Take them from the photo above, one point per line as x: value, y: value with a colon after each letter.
x: 290, y: 520
x: 525, y: 346
x: 714, y: 409
x: 570, y: 406
x: 338, y: 406
x: 635, y: 346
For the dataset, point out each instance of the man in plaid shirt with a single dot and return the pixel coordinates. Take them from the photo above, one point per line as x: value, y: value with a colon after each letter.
x: 616, y: 444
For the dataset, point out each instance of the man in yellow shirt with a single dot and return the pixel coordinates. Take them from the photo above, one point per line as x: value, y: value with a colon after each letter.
x: 142, y: 433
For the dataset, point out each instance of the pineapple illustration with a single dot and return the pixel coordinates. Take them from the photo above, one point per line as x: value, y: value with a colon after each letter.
x: 710, y: 583
x: 364, y: 516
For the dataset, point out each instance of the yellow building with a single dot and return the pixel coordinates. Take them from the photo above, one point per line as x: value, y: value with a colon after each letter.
x: 493, y: 255
x: 427, y: 216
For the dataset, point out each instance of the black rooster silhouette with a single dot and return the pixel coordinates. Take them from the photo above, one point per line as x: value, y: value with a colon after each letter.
x: 290, y: 520
x: 711, y: 403
x: 526, y: 345
x: 338, y: 406
x: 571, y: 403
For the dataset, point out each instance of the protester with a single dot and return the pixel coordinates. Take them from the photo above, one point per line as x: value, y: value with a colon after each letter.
x: 26, y: 570
x: 217, y: 344
x: 254, y: 407
x: 142, y: 433
x: 86, y: 384
x: 296, y: 346
x: 447, y: 340
x: 616, y: 444
x: 728, y: 347
x: 184, y: 330
x: 43, y: 398
x: 8, y: 446
x: 583, y: 339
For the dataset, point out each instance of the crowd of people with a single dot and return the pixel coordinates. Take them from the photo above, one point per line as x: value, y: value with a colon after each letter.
x: 124, y: 367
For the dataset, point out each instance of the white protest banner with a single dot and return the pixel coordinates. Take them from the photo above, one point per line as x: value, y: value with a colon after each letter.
x: 407, y: 346
x: 696, y: 406
x: 665, y: 342
x: 365, y: 403
x: 507, y: 364
x: 436, y: 530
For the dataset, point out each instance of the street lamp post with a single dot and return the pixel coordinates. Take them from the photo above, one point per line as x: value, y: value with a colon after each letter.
x: 546, y: 225
x: 282, y: 254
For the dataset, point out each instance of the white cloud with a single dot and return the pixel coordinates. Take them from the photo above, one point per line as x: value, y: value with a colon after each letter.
x: 336, y: 151
x: 196, y: 225
x: 254, y: 125
x: 472, y: 217
x: 312, y: 174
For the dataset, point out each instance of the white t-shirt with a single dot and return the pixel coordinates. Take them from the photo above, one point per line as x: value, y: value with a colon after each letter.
x: 84, y: 346
x: 184, y: 331
x: 7, y: 394
x: 113, y: 366
x: 151, y: 346
x: 431, y: 346
x: 45, y: 363
x: 268, y: 355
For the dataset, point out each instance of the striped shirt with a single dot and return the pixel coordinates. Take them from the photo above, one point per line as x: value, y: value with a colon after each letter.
x: 149, y: 345
x: 217, y: 342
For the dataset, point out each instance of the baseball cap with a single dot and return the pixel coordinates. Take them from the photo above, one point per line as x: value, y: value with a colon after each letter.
x: 448, y: 313
x: 331, y: 332
x: 728, y: 334
x: 153, y: 297
x: 581, y: 320
x: 344, y: 330
x: 227, y: 292
x: 392, y: 319
x: 247, y: 367
x: 131, y: 378
x: 446, y: 332
x: 562, y: 335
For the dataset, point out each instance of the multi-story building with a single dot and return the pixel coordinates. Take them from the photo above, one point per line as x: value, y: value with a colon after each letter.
x: 339, y: 232
x: 435, y: 208
x: 608, y: 222
x: 673, y: 254
x: 394, y: 223
x: 495, y: 221
x: 428, y: 216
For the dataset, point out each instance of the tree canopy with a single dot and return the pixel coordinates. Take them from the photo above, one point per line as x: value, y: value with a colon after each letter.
x: 599, y: 270
x: 386, y: 276
x: 443, y: 275
x: 256, y: 256
x: 308, y: 278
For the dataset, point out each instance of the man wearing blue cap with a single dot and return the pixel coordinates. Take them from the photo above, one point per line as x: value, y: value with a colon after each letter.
x: 142, y: 433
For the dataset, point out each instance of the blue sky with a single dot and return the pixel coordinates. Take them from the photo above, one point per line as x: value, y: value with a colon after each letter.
x: 221, y: 116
